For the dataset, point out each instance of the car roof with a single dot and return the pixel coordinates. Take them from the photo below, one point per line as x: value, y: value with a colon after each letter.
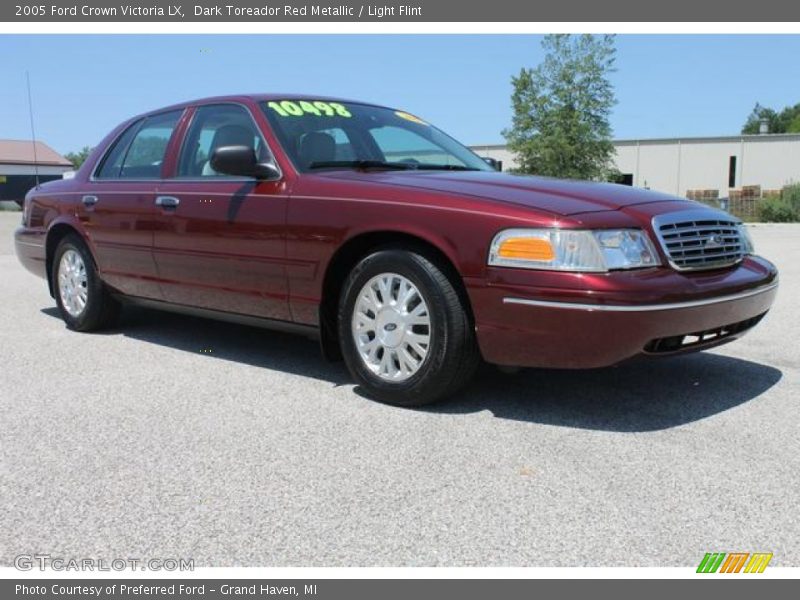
x: 253, y: 98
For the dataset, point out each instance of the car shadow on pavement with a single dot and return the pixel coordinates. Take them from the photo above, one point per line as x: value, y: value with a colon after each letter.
x: 638, y: 396
x: 220, y: 340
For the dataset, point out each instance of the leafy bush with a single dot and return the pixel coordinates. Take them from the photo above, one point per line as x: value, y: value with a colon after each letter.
x: 791, y: 195
x: 777, y: 210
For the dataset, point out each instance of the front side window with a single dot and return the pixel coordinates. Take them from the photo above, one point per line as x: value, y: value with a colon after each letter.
x: 318, y: 134
x: 214, y: 127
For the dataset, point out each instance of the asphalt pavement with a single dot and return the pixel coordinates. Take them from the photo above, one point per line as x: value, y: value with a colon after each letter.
x: 172, y: 436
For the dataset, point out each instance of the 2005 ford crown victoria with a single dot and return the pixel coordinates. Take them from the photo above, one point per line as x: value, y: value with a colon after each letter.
x: 404, y: 252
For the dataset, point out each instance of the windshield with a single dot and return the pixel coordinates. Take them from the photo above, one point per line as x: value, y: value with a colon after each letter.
x: 319, y: 135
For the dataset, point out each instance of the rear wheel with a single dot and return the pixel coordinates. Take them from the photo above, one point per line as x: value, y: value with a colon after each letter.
x: 82, y: 298
x: 405, y: 333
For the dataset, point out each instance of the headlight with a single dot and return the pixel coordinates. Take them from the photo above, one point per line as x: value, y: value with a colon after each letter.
x: 626, y: 249
x: 573, y: 250
x: 747, y: 241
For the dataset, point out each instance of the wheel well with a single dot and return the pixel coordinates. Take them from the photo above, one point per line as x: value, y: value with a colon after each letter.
x: 348, y: 256
x: 54, y: 237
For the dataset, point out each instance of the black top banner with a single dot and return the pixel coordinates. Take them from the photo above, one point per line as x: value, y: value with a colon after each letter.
x: 407, y: 11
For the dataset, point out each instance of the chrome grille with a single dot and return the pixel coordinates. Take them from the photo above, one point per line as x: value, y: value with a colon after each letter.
x: 699, y: 239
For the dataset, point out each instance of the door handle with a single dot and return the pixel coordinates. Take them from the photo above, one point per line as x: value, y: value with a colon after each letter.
x: 167, y: 201
x: 89, y: 201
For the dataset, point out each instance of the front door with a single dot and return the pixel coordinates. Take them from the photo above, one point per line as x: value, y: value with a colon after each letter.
x: 219, y: 242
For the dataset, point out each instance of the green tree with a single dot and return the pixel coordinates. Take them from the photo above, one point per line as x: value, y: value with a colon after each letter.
x: 785, y: 121
x: 79, y: 157
x: 794, y: 124
x: 560, y: 126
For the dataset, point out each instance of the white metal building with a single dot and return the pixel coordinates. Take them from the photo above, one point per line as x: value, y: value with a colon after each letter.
x: 677, y: 165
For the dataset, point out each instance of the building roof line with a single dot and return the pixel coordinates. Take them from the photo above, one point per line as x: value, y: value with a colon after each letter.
x: 30, y: 163
x: 28, y: 152
x: 688, y: 139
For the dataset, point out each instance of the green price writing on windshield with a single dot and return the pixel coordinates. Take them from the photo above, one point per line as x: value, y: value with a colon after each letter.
x: 289, y: 108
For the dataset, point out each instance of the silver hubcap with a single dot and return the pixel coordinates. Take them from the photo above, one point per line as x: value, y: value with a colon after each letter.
x: 73, y: 285
x: 391, y: 327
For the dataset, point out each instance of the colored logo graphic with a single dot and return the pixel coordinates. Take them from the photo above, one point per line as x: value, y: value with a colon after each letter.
x: 734, y: 562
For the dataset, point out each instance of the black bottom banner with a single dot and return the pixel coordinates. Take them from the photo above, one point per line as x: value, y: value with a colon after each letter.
x: 385, y: 589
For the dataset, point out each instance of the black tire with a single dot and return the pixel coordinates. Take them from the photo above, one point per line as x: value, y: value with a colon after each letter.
x: 452, y: 353
x: 101, y: 309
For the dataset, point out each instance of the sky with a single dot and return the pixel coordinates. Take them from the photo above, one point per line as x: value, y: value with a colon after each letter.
x: 666, y: 85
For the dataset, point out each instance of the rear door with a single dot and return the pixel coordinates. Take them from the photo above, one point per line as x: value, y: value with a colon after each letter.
x: 219, y: 242
x: 118, y: 210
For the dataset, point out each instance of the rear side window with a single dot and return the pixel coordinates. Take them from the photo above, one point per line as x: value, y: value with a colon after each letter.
x: 139, y: 152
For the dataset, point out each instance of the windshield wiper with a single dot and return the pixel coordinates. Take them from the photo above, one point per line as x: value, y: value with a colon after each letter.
x: 429, y: 167
x: 360, y: 164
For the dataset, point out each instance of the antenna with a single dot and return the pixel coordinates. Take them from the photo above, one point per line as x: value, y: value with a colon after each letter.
x: 33, y: 131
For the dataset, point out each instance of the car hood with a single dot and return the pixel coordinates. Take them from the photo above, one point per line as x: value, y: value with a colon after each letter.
x: 558, y: 196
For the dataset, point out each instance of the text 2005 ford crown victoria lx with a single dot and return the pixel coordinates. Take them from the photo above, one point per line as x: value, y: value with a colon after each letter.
x: 400, y: 248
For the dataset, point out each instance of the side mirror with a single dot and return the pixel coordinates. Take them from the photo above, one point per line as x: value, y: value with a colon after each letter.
x: 497, y: 165
x: 241, y: 161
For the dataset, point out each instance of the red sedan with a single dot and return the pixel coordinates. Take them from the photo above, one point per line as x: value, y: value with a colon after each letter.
x: 400, y: 249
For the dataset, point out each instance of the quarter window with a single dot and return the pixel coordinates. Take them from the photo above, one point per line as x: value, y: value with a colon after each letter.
x: 112, y: 163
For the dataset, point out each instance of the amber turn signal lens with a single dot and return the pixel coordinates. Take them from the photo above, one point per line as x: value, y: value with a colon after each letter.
x: 527, y: 249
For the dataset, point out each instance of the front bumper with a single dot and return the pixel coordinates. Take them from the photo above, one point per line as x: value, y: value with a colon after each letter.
x: 620, y: 316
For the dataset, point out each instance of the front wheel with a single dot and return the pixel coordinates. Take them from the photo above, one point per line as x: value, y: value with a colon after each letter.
x: 405, y: 331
